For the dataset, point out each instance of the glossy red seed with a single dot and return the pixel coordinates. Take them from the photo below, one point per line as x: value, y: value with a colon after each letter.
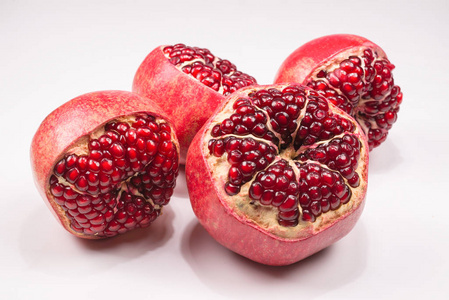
x: 70, y: 204
x: 290, y: 203
x: 268, y: 180
x: 282, y: 183
x: 256, y: 191
x: 82, y: 163
x: 57, y: 190
x: 117, y: 150
x: 71, y: 161
x: 278, y: 198
x: 130, y: 222
x: 72, y: 175
x: 60, y: 168
x: 93, y: 166
x: 81, y: 184
x: 247, y: 168
x: 165, y: 147
x: 291, y: 215
x: 304, y: 200
x: 267, y: 197
x: 140, y: 144
x: 231, y: 189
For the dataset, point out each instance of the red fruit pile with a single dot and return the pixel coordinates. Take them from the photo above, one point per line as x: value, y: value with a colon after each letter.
x: 276, y: 173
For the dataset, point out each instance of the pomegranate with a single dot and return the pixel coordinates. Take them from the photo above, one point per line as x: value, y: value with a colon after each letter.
x: 278, y: 173
x: 354, y: 74
x: 188, y: 83
x: 105, y: 163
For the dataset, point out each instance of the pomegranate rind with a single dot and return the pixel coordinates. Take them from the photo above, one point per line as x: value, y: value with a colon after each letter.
x: 242, y: 235
x: 187, y: 101
x: 300, y: 64
x: 75, y: 120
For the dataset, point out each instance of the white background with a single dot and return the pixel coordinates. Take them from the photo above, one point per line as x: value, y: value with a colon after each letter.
x: 52, y: 51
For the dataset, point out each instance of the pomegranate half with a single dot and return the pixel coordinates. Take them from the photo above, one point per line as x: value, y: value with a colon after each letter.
x: 188, y: 83
x: 354, y: 74
x: 105, y: 163
x: 278, y: 173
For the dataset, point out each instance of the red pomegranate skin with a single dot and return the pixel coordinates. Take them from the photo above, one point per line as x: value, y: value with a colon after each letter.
x: 242, y: 235
x: 72, y: 120
x: 318, y: 51
x: 188, y: 102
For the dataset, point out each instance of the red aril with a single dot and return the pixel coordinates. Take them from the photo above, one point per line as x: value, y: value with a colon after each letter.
x: 188, y: 83
x: 354, y: 74
x: 105, y: 163
x: 278, y: 173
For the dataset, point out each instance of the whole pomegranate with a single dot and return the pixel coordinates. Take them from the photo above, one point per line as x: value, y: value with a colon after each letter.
x: 188, y: 83
x: 354, y: 74
x: 278, y: 173
x: 105, y: 163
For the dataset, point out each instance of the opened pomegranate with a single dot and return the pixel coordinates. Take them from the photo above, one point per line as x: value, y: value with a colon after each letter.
x: 354, y: 74
x: 188, y: 83
x: 278, y: 173
x: 106, y: 163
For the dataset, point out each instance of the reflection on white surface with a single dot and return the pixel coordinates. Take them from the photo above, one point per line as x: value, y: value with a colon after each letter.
x: 238, y: 276
x: 57, y: 251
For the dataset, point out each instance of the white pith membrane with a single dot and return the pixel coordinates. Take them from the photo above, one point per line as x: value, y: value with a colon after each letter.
x: 266, y: 216
x: 81, y: 148
x: 333, y: 63
x: 212, y: 64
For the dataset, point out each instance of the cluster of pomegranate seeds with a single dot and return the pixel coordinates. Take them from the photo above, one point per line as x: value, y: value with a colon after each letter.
x: 219, y: 74
x: 283, y: 108
x: 320, y: 190
x: 340, y: 154
x: 128, y: 174
x: 325, y: 152
x: 320, y: 124
x: 246, y: 119
x: 246, y: 157
x: 277, y: 186
x: 363, y: 87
